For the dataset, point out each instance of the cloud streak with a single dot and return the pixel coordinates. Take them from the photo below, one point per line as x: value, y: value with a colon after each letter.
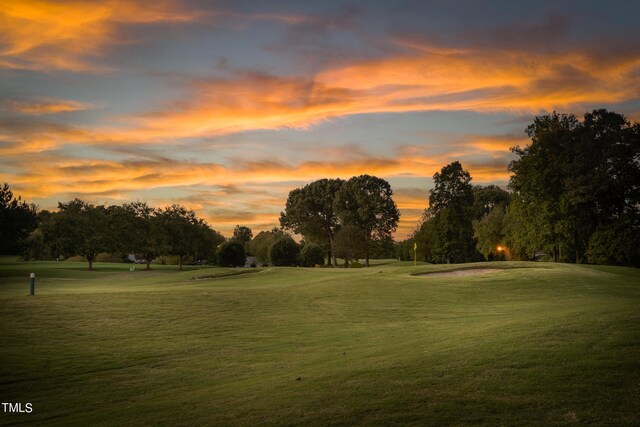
x: 424, y: 79
x: 43, y: 105
x: 47, y: 36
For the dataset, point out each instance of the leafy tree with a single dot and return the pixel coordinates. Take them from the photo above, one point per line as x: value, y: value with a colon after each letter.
x: 366, y: 202
x: 208, y: 243
x: 78, y: 228
x: 450, y: 216
x: 311, y: 255
x: 17, y: 221
x: 260, y: 245
x: 573, y: 178
x: 486, y: 198
x: 145, y: 233
x: 232, y: 254
x: 351, y: 243
x: 183, y: 230
x: 616, y: 243
x: 35, y: 248
x: 242, y: 234
x: 489, y: 232
x: 310, y: 211
x: 285, y: 252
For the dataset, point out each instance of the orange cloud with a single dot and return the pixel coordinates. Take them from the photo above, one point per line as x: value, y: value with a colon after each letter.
x: 48, y: 35
x: 43, y: 105
x: 100, y: 180
x: 424, y: 79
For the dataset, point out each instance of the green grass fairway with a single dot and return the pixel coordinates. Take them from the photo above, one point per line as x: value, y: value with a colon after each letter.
x: 535, y: 344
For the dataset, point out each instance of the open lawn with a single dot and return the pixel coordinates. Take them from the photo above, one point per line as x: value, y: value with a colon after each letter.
x: 538, y: 344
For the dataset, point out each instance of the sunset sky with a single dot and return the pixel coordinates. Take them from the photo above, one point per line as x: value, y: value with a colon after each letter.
x: 226, y: 106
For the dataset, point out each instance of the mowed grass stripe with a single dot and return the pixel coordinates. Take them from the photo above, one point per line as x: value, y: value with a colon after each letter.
x: 552, y: 345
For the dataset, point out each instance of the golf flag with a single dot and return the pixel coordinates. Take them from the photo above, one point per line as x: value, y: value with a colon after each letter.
x: 415, y: 247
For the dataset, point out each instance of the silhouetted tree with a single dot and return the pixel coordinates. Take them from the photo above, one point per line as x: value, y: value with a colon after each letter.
x: 17, y: 221
x: 366, y: 202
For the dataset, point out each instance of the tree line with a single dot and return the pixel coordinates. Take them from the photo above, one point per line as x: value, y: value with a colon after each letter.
x: 574, y: 196
x: 81, y: 228
x: 351, y: 219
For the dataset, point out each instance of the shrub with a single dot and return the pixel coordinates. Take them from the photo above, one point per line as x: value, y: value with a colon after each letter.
x: 107, y: 257
x: 76, y: 258
x: 231, y: 254
x: 166, y: 260
x: 311, y: 254
x: 285, y: 252
x: 355, y: 264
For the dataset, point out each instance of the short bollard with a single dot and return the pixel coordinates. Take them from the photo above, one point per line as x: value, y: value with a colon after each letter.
x: 32, y: 284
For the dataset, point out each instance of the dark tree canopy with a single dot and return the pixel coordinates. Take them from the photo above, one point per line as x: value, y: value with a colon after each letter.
x: 260, y: 245
x: 144, y: 232
x: 242, y: 234
x: 17, y: 221
x: 366, y: 202
x: 311, y: 255
x: 285, y: 252
x: 231, y: 254
x: 79, y: 228
x: 310, y: 211
x: 452, y: 188
x: 448, y: 226
x: 487, y: 198
x: 351, y: 243
x: 186, y: 234
x: 572, y: 179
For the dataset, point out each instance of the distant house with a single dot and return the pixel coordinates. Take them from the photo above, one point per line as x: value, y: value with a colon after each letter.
x: 136, y: 259
x: 251, y: 262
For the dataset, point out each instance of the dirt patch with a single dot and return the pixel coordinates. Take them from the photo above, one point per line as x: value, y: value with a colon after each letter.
x: 468, y: 272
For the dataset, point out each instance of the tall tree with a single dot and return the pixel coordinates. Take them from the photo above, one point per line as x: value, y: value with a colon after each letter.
x: 450, y: 215
x: 183, y: 229
x: 351, y: 243
x: 486, y: 198
x: 242, y: 234
x: 143, y: 232
x: 573, y: 178
x: 78, y: 228
x: 366, y: 202
x: 17, y: 221
x: 310, y: 211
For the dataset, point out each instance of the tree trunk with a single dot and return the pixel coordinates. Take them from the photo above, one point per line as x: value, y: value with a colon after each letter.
x: 346, y: 263
x: 179, y: 262
x: 148, y: 265
x: 366, y: 260
x: 332, y: 256
x: 90, y: 260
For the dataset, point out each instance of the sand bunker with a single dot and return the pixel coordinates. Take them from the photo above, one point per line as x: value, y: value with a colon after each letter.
x: 468, y: 272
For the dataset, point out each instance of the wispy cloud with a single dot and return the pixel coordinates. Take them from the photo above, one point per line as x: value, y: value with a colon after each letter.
x: 43, y: 105
x: 425, y: 79
x: 47, y: 35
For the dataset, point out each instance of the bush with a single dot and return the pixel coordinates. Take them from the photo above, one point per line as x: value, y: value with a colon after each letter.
x: 107, y: 257
x: 355, y: 264
x: 311, y: 255
x: 231, y: 254
x: 166, y: 260
x: 616, y: 243
x: 76, y: 258
x: 285, y: 252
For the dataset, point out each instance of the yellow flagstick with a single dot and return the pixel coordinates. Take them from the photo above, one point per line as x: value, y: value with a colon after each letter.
x: 415, y: 247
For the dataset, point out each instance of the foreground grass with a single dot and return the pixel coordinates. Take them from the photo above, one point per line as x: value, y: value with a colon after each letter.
x: 534, y: 344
